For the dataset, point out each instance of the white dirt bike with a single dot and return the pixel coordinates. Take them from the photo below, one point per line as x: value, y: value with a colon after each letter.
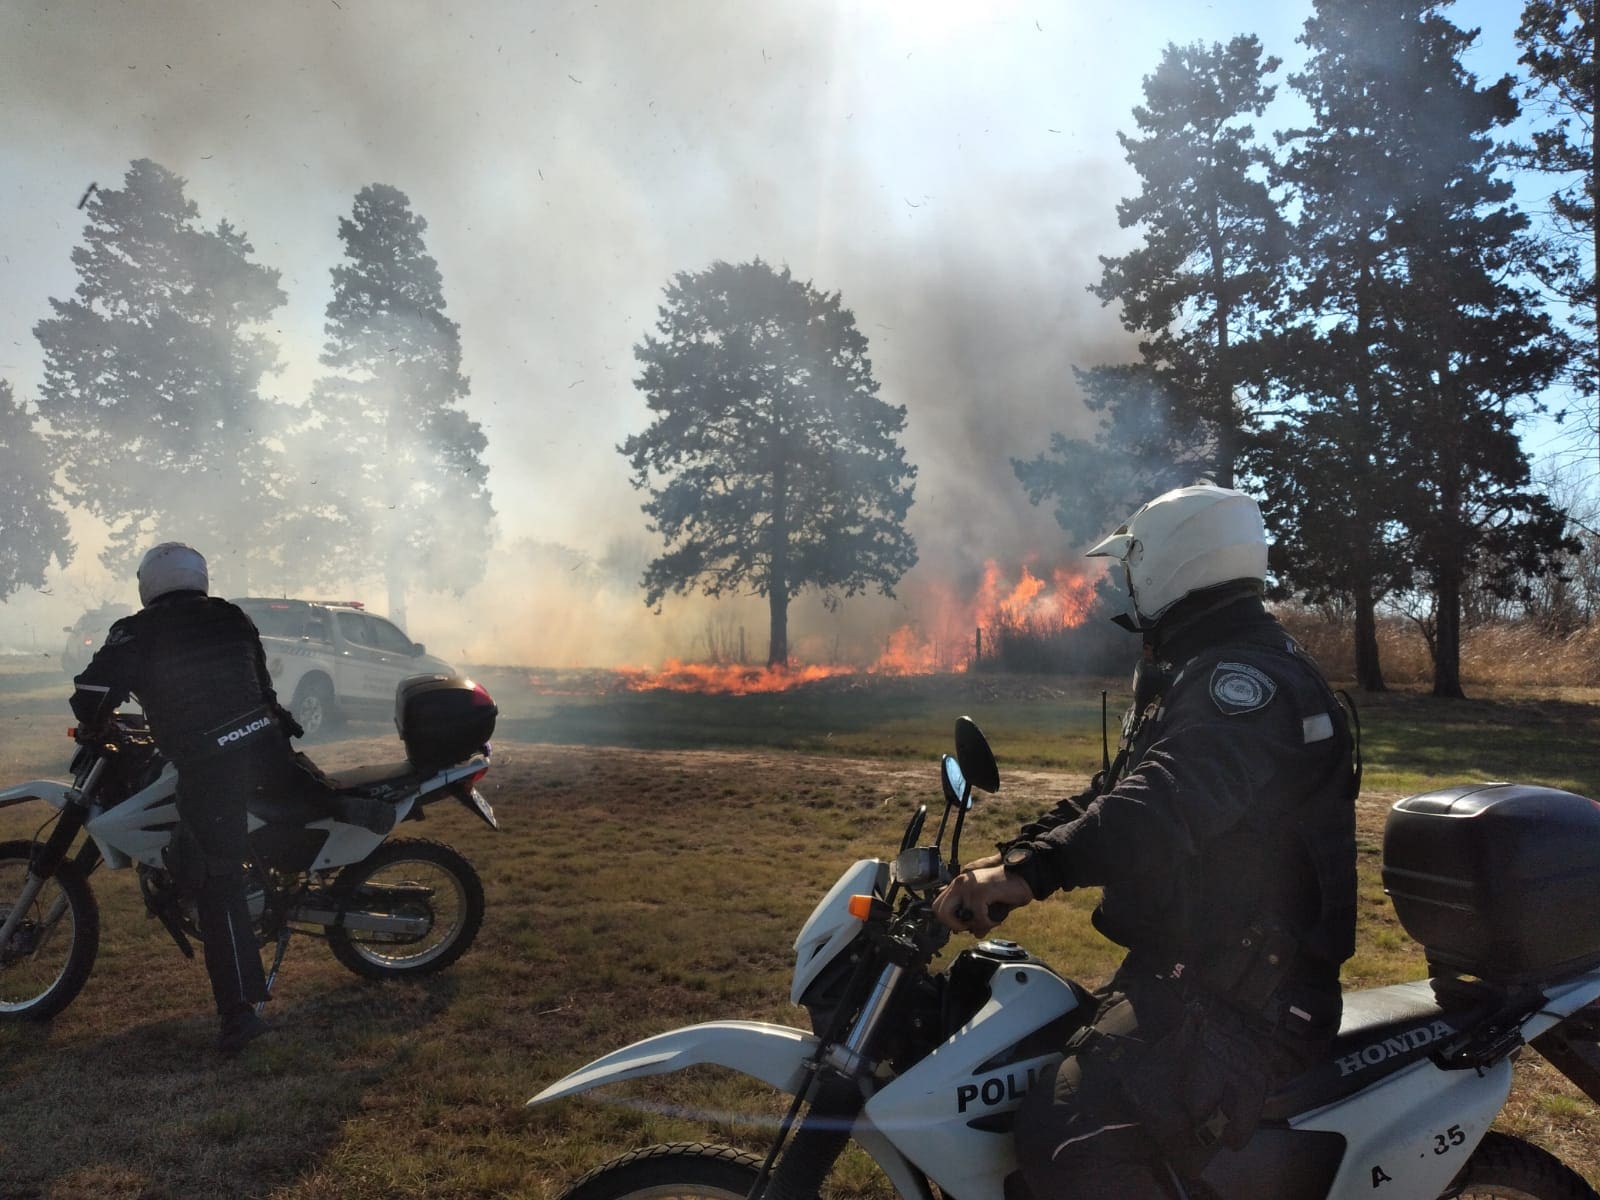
x: 924, y: 1069
x: 322, y: 863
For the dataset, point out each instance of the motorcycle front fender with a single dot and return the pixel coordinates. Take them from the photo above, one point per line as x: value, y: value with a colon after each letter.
x: 774, y: 1054
x: 50, y: 791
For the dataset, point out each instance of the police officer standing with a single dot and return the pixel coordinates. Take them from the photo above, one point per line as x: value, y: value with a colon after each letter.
x: 1223, y: 837
x: 197, y: 667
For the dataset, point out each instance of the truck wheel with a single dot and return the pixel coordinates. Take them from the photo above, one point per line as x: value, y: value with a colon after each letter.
x: 313, y: 706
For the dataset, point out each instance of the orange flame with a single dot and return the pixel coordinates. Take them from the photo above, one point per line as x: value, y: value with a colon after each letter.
x: 723, y: 679
x: 942, y: 641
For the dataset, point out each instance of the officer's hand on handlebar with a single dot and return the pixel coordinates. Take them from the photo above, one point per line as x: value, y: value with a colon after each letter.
x: 980, y: 898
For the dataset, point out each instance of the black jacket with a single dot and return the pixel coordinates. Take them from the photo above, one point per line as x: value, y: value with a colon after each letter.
x: 1233, y: 806
x: 195, y: 663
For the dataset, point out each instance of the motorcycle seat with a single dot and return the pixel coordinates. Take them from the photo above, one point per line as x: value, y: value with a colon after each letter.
x: 383, y: 781
x: 362, y: 796
x: 1383, y: 1030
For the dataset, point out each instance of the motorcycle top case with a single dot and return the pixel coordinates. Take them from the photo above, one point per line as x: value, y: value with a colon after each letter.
x: 442, y: 719
x: 1500, y: 881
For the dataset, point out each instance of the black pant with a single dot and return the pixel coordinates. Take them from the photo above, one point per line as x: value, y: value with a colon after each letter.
x: 212, y: 793
x: 1160, y: 1081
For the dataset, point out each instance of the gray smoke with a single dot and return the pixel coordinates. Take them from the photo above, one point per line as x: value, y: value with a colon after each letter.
x: 950, y: 169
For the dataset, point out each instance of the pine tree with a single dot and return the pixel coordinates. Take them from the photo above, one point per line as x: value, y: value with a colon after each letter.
x: 152, y: 378
x: 1560, y: 41
x: 1206, y: 279
x: 771, y: 463
x: 33, y: 531
x: 1416, y: 347
x: 400, y: 486
x: 1200, y: 290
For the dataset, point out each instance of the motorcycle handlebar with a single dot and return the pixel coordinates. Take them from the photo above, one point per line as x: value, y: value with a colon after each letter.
x: 997, y: 912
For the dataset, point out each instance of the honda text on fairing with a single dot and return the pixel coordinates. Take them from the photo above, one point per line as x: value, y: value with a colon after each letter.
x: 924, y: 1069
x: 322, y: 862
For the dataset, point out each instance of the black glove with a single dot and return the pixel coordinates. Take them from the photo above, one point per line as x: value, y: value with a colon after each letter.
x: 286, y: 719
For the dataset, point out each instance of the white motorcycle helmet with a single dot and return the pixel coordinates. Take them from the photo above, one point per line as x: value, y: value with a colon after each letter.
x: 1184, y: 541
x: 171, y: 567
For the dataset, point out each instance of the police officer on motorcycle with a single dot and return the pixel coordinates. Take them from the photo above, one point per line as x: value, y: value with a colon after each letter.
x: 1223, y: 837
x: 196, y: 664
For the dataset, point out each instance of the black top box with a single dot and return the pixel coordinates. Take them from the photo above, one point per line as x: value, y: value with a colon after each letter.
x: 1497, y: 880
x: 442, y: 719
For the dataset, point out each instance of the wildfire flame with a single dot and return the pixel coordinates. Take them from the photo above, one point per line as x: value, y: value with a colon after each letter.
x: 944, y: 641
x: 729, y: 679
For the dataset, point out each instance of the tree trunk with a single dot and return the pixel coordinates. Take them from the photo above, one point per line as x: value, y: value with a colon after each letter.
x: 778, y: 572
x: 778, y: 647
x: 397, y: 597
x: 1447, y: 648
x: 1369, y: 672
x: 1227, y: 428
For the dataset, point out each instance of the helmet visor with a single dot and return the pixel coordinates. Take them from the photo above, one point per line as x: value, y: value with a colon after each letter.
x: 1114, y: 545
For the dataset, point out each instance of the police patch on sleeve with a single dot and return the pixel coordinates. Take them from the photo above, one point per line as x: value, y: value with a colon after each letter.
x: 1240, y: 688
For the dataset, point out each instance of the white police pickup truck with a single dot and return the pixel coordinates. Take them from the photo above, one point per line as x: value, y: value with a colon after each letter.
x: 333, y: 660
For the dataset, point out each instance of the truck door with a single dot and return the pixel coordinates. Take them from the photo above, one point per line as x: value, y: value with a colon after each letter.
x: 398, y: 658
x: 363, y: 674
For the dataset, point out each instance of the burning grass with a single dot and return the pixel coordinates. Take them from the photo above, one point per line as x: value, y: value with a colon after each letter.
x: 954, y: 633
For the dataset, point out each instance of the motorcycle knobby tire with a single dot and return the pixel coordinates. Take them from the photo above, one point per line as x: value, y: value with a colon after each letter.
x: 1503, y: 1165
x: 367, y: 958
x: 82, y: 921
x: 678, y: 1169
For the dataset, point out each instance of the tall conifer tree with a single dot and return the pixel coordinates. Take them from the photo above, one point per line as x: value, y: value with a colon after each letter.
x: 1415, y: 345
x: 152, y: 379
x: 1200, y: 291
x: 401, y: 489
x: 33, y: 530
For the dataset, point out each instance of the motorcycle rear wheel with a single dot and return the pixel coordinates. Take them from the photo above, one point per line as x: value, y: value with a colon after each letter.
x: 45, y: 968
x: 453, y: 909
x: 1507, y: 1168
x: 686, y: 1169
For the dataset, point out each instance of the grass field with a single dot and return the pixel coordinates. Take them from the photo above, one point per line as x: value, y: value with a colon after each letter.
x: 658, y: 855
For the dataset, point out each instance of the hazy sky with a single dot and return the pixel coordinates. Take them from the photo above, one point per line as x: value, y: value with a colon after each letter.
x: 950, y: 167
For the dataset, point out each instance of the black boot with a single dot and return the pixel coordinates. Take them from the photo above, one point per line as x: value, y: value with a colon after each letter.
x: 240, y: 1027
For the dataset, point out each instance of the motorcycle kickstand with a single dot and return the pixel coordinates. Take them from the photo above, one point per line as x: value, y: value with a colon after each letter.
x: 277, y: 961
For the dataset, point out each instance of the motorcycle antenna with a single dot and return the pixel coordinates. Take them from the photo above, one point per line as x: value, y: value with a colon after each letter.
x: 1105, y: 741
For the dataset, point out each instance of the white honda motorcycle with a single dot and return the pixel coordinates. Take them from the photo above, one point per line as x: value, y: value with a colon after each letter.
x: 925, y: 1069
x: 322, y: 863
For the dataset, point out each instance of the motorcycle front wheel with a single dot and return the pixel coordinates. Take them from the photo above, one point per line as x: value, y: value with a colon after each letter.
x: 1507, y: 1168
x: 48, y: 957
x: 687, y: 1169
x: 426, y: 883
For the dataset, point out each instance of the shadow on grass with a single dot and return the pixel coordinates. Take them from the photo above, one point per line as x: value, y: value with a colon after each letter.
x: 1420, y: 738
x: 157, y: 1111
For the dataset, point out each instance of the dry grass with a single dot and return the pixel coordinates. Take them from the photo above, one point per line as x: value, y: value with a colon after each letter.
x: 632, y: 891
x: 1494, y: 658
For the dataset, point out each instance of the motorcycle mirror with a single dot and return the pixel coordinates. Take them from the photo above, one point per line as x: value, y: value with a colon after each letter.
x: 914, y: 827
x: 953, y: 782
x: 974, y: 756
